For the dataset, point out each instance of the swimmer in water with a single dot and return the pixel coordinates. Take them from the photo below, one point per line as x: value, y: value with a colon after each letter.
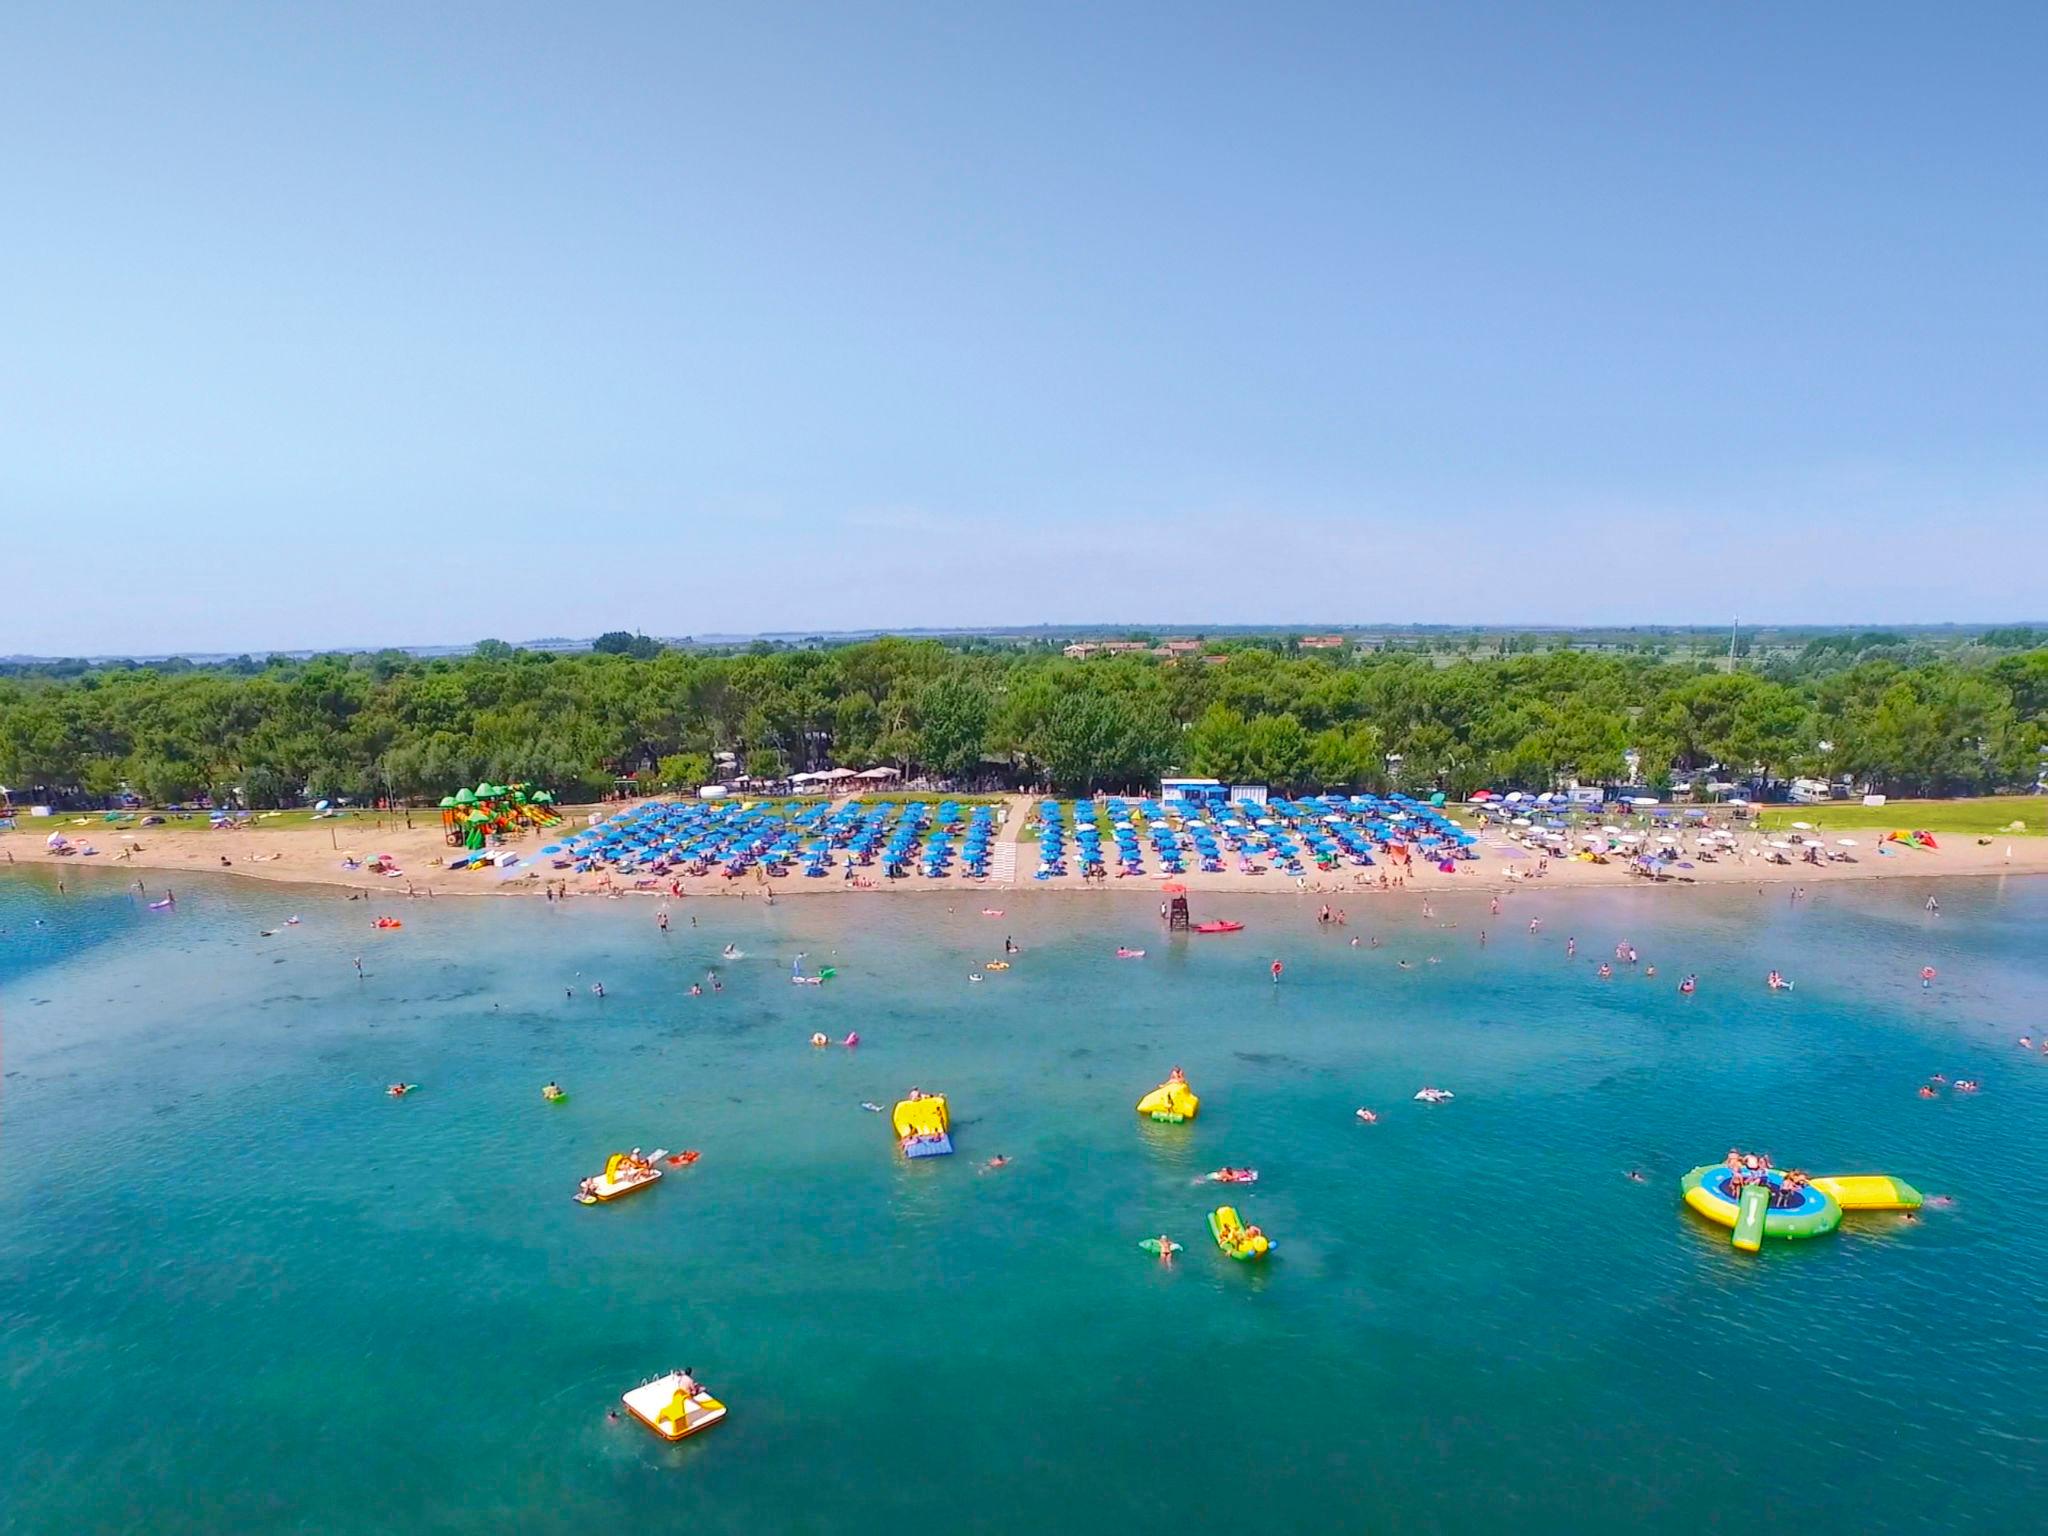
x: 1368, y: 1117
x: 1535, y: 923
x: 1926, y: 1092
x: 1635, y: 1176
x: 998, y: 1161
x: 695, y: 990
x: 1649, y: 970
x: 1605, y: 971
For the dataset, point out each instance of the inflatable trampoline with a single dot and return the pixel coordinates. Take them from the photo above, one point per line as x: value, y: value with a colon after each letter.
x: 1754, y: 1211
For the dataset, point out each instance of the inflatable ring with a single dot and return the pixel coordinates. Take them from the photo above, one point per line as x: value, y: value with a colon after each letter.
x: 1706, y: 1191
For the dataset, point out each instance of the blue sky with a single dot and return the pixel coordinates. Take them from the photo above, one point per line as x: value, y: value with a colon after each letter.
x: 405, y: 324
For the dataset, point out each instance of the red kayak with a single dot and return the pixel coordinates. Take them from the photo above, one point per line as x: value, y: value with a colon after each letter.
x: 1219, y: 927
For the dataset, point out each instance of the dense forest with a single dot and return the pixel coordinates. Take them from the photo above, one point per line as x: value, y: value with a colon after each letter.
x: 1963, y: 720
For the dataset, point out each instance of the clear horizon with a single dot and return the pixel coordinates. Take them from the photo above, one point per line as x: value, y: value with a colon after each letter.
x: 328, y: 323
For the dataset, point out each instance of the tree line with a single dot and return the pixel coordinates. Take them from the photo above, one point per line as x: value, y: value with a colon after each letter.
x: 390, y: 724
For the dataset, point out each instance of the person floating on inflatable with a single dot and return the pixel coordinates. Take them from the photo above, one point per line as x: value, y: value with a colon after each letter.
x: 400, y: 1090
x: 1368, y: 1117
x: 552, y: 1092
x: 1687, y: 987
x: 1777, y: 982
x: 1926, y: 977
x: 852, y: 1039
x: 819, y: 1040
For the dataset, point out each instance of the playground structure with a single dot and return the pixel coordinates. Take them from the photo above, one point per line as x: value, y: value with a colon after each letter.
x: 472, y: 817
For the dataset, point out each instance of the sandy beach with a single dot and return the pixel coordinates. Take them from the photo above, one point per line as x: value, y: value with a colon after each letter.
x: 318, y: 855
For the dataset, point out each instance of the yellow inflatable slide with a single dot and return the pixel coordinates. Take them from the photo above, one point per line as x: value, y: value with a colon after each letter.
x: 1172, y: 1101
x: 923, y: 1126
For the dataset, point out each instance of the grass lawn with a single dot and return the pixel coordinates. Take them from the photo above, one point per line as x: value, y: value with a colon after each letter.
x: 1980, y: 817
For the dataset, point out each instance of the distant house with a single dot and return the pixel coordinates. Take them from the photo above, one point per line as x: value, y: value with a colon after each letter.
x: 1081, y: 651
x: 1123, y: 647
x: 1321, y: 642
x: 1182, y: 647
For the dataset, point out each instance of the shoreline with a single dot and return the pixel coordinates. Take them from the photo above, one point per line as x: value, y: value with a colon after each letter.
x: 292, y: 855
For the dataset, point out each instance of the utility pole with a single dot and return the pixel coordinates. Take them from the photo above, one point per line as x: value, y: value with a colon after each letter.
x: 1731, y: 641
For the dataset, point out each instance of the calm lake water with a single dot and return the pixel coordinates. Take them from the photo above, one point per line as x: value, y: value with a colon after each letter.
x: 243, y: 1290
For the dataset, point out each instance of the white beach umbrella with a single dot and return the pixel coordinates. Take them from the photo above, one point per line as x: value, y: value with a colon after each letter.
x: 1804, y: 826
x: 1846, y: 842
x: 1779, y: 842
x: 1522, y: 821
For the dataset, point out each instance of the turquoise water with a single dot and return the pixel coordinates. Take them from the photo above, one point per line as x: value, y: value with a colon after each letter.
x: 241, y: 1289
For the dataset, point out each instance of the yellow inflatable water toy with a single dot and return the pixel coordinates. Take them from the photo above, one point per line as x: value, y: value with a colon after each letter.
x: 1241, y: 1242
x: 923, y: 1126
x: 997, y: 965
x: 1765, y: 1203
x: 1173, y: 1101
x: 674, y: 1406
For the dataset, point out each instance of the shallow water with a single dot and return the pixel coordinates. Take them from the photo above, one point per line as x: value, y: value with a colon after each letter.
x: 242, y: 1289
